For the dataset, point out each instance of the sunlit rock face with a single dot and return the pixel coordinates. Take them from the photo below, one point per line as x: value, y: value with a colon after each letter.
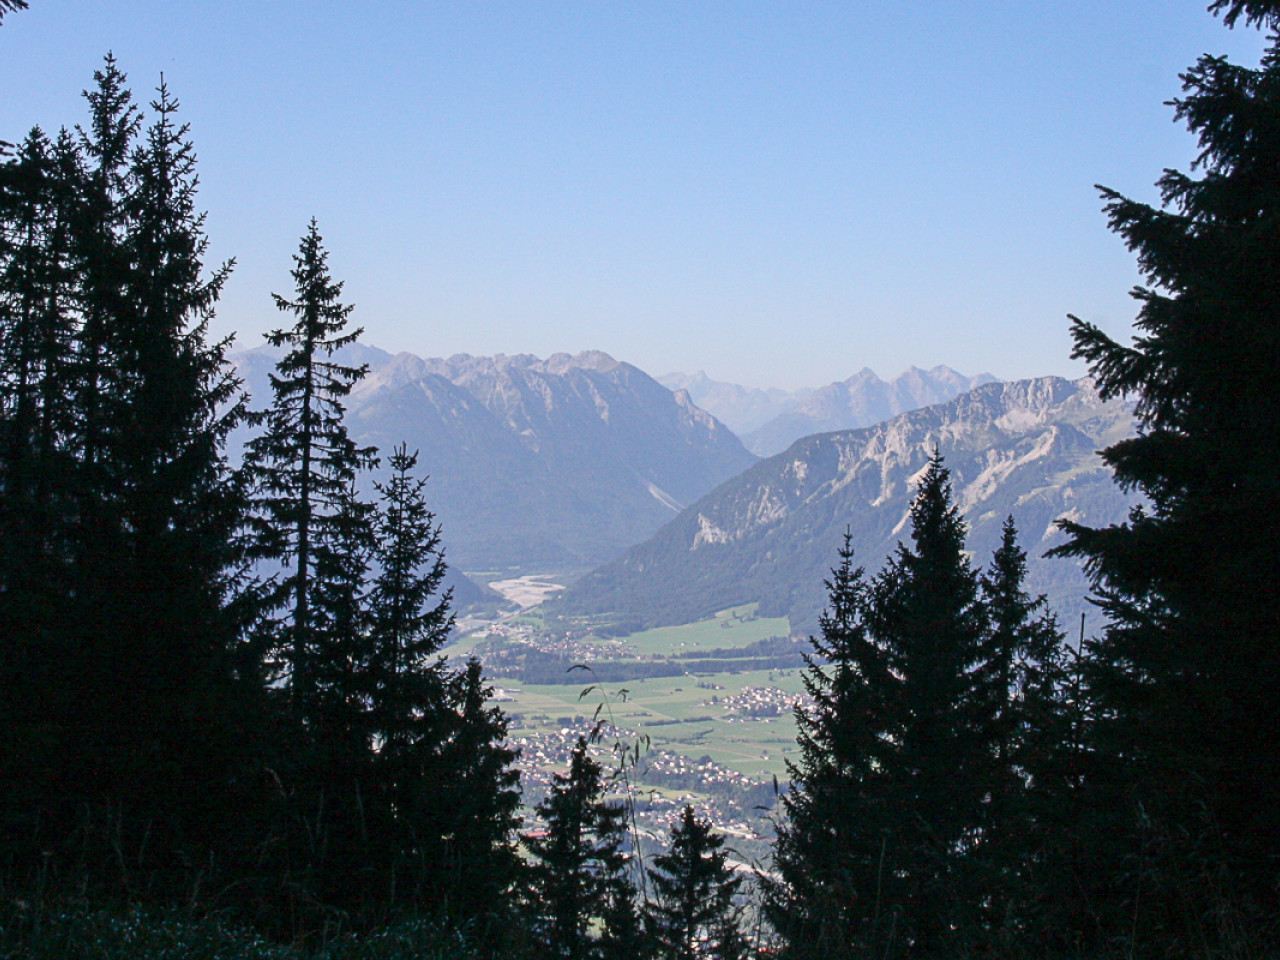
x: 1026, y: 449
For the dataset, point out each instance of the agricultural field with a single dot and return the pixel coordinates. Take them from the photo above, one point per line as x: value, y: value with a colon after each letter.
x: 735, y: 627
x: 712, y: 731
x: 686, y: 715
x: 696, y: 712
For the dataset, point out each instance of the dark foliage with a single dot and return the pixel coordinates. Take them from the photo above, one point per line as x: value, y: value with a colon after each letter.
x: 210, y: 700
x: 911, y: 821
x: 303, y: 469
x: 1262, y: 13
x: 693, y: 913
x: 1190, y: 654
x: 579, y: 876
x: 477, y: 800
x: 9, y: 6
x: 118, y: 642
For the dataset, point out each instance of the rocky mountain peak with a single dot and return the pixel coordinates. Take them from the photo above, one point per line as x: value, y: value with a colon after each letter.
x: 561, y: 462
x: 597, y: 360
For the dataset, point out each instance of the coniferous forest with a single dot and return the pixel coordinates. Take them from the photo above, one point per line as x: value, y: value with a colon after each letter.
x: 227, y: 726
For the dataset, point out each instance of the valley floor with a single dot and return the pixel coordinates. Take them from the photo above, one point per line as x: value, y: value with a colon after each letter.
x: 714, y: 733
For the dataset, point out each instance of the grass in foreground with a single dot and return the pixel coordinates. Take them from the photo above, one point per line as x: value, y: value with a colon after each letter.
x: 134, y: 934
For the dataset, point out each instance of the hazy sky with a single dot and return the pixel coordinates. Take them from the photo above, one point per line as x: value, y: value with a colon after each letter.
x: 778, y: 193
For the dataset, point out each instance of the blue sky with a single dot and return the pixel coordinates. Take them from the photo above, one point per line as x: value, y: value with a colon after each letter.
x: 777, y: 193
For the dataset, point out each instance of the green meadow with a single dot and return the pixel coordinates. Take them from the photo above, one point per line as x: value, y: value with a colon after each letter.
x: 735, y: 627
x: 683, y: 714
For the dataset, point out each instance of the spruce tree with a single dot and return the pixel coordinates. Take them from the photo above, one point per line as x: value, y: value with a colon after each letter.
x: 410, y: 617
x: 168, y: 559
x: 340, y: 623
x: 621, y: 934
x: 829, y: 847
x: 99, y: 228
x: 303, y: 468
x: 1026, y: 663
x: 313, y: 538
x: 477, y: 800
x: 692, y: 914
x: 578, y: 875
x: 123, y: 503
x: 1028, y: 818
x: 38, y: 190
x: 889, y: 803
x: 924, y: 612
x: 37, y: 329
x: 562, y: 886
x: 404, y: 686
x: 1189, y: 657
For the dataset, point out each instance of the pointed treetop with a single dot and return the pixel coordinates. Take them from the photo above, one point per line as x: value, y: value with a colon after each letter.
x: 935, y: 519
x: 318, y: 307
x: 114, y: 117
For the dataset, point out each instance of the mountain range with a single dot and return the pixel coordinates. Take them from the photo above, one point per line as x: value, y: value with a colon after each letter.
x: 741, y: 409
x: 770, y: 535
x: 584, y: 463
x: 769, y: 421
x: 535, y: 464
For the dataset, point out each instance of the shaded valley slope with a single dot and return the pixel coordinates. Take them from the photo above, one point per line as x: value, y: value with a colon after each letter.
x: 535, y: 464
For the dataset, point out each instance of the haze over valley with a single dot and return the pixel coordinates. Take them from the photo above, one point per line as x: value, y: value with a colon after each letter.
x: 586, y: 471
x: 596, y: 516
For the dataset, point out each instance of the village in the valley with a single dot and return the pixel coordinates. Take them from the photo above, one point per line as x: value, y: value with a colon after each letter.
x: 657, y: 758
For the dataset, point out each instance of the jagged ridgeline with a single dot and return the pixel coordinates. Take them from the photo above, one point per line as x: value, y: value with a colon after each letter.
x: 537, y: 464
x: 769, y: 421
x: 1026, y: 448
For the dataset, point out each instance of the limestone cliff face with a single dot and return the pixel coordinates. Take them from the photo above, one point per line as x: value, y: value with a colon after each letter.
x: 1026, y: 448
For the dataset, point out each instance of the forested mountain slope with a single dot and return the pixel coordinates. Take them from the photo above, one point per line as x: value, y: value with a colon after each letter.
x: 1026, y: 448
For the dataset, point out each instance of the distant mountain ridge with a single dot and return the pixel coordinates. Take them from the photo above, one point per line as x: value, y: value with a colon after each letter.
x: 1026, y: 448
x: 741, y: 409
x: 535, y: 464
x: 770, y: 421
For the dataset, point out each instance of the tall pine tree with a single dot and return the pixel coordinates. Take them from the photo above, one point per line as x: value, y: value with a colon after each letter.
x: 693, y: 913
x: 829, y: 851
x: 1021, y: 874
x: 303, y: 468
x: 1190, y: 657
x: 313, y: 537
x: 924, y: 612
